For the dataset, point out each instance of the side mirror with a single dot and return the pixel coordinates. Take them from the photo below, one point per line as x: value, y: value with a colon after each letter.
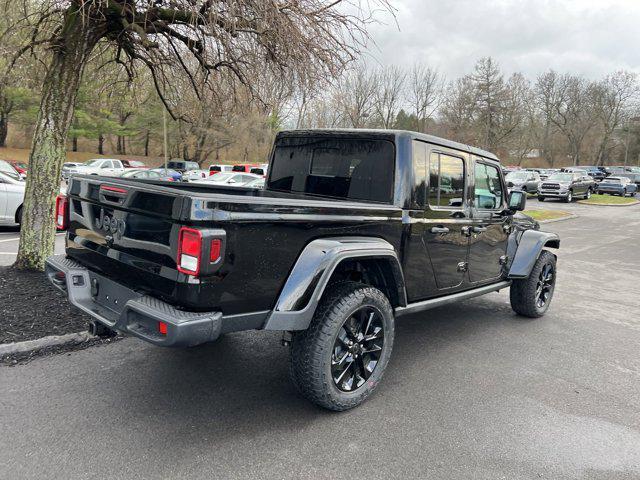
x: 517, y: 201
x: 231, y: 180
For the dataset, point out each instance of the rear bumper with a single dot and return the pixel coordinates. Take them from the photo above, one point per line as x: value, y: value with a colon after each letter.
x: 128, y: 311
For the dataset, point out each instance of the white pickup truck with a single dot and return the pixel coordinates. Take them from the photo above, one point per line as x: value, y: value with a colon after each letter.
x: 108, y: 167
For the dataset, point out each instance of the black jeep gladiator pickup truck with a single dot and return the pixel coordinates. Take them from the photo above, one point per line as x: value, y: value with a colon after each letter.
x: 353, y: 229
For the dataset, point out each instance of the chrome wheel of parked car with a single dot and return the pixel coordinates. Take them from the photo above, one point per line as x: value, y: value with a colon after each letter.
x: 588, y: 194
x: 569, y: 197
x: 546, y: 282
x: 357, y: 349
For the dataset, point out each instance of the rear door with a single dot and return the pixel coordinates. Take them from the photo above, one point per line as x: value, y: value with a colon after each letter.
x: 490, y: 229
x: 447, y: 220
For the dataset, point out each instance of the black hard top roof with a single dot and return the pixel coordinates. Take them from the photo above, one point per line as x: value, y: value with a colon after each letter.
x: 391, y: 135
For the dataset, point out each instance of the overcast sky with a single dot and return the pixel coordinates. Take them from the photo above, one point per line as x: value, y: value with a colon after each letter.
x: 591, y: 37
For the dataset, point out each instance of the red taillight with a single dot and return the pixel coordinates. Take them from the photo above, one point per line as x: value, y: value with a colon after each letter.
x: 162, y: 328
x: 62, y: 212
x: 189, y: 251
x: 216, y: 247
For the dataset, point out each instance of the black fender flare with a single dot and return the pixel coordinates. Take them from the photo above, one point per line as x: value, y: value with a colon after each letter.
x: 311, y: 273
x: 528, y: 249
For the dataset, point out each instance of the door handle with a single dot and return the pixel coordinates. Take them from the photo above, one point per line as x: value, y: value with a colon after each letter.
x: 439, y: 230
x: 479, y: 229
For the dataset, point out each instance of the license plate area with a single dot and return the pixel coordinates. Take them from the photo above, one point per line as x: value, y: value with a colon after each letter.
x: 109, y: 294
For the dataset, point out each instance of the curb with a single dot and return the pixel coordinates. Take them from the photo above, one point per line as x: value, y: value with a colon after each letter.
x: 52, y: 341
x: 561, y: 219
x: 584, y: 202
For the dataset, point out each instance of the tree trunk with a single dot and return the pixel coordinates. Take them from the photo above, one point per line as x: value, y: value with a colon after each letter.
x: 74, y: 144
x: 4, y: 129
x: 70, y: 54
x: 101, y: 144
x: 147, y: 136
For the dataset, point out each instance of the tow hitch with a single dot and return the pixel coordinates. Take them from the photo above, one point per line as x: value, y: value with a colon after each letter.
x: 99, y: 330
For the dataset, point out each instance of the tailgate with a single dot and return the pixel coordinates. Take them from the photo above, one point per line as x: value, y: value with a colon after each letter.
x: 128, y: 231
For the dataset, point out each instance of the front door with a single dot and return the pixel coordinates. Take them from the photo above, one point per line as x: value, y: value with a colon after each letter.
x: 447, y: 218
x: 490, y: 228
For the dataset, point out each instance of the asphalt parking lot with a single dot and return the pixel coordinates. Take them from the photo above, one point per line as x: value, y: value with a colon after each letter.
x: 472, y: 391
x: 9, y: 237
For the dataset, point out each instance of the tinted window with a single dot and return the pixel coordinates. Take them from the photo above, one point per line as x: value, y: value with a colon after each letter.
x: 215, y: 168
x: 420, y: 172
x: 355, y: 168
x: 446, y: 181
x: 238, y: 168
x: 488, y: 188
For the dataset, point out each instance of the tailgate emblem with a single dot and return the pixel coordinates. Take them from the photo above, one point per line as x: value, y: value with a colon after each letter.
x: 110, y: 225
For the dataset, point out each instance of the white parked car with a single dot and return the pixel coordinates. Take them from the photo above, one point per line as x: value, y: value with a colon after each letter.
x: 193, y: 175
x: 108, y: 167
x: 11, y: 197
x: 229, y: 179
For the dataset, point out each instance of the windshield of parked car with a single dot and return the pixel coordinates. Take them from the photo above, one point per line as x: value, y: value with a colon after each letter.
x: 221, y: 177
x: 9, y: 171
x: 93, y: 163
x: 353, y: 168
x: 517, y: 176
x: 561, y: 177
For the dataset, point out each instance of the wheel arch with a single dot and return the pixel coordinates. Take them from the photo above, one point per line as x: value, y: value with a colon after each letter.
x: 368, y: 260
x: 528, y: 249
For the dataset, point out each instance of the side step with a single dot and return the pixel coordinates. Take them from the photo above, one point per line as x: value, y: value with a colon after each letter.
x: 455, y: 297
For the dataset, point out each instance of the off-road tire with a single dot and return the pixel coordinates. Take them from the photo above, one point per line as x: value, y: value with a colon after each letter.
x: 311, y: 349
x: 523, y: 291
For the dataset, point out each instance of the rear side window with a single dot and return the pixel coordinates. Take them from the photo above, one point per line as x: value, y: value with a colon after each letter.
x: 238, y: 168
x: 215, y: 168
x: 353, y: 168
x: 446, y: 181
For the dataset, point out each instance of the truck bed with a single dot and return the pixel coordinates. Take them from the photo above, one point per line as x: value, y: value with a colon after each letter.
x: 265, y: 233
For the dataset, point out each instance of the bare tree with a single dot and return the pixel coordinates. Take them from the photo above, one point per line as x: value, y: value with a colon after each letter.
x: 356, y: 93
x: 390, y: 83
x: 458, y: 108
x: 305, y: 39
x: 425, y: 88
x: 570, y: 108
x: 612, y: 99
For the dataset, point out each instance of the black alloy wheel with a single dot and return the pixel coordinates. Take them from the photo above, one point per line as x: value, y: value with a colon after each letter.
x: 546, y: 282
x: 532, y: 296
x: 357, y: 348
x: 340, y: 359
